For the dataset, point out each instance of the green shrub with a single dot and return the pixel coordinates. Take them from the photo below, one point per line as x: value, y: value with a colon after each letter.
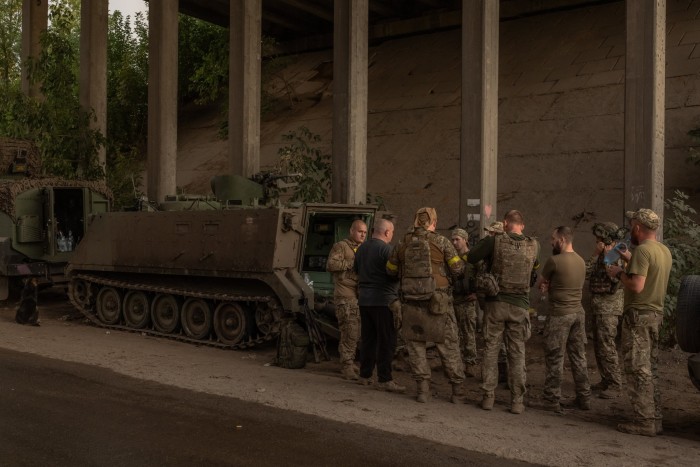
x: 682, y: 236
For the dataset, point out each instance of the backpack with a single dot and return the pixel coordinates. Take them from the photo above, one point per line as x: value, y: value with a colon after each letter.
x: 417, y: 281
x: 292, y: 345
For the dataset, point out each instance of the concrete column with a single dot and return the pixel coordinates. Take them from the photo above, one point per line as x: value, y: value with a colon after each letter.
x: 350, y: 39
x: 35, y: 16
x: 244, y: 86
x: 478, y: 164
x: 93, y: 64
x: 162, y: 98
x: 644, y: 105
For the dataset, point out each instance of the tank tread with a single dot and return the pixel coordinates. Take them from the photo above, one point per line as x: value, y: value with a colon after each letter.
x: 92, y: 317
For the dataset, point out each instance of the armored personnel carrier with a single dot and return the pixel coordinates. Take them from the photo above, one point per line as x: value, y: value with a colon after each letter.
x: 220, y: 272
x: 41, y: 219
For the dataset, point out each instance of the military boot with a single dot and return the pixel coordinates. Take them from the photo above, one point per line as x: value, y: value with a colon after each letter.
x: 457, y: 393
x: 423, y: 395
x: 487, y: 402
x: 517, y: 407
x: 349, y: 373
x: 611, y: 392
x: 658, y: 424
x: 470, y: 370
x: 583, y: 403
x: 638, y: 428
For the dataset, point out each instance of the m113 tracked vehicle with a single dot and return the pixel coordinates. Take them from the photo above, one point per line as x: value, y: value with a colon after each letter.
x: 218, y: 272
x: 41, y: 219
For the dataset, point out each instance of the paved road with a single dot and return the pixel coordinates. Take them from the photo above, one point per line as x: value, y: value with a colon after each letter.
x: 59, y: 413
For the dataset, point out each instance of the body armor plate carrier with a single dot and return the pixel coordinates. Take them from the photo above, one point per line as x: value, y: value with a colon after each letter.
x: 512, y: 263
x: 417, y: 282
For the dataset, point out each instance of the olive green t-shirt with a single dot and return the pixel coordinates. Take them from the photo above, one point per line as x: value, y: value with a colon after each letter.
x: 566, y: 273
x: 652, y: 260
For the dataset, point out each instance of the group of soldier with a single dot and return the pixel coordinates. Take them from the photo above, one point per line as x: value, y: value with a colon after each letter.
x: 427, y: 290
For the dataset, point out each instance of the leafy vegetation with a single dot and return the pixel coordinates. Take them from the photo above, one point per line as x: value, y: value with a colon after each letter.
x: 303, y: 159
x: 62, y: 130
x: 56, y: 123
x: 682, y: 236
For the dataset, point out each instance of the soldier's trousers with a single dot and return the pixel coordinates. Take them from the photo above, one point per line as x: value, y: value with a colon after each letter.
x: 448, y: 350
x: 348, y: 315
x: 465, y: 313
x: 640, y: 351
x: 565, y: 334
x: 606, y: 350
x: 507, y: 323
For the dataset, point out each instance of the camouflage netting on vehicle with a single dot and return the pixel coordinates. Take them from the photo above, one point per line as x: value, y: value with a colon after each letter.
x: 10, y: 188
x: 13, y: 149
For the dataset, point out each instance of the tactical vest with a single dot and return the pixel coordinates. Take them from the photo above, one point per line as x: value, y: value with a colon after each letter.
x: 600, y: 282
x: 512, y: 263
x: 417, y: 281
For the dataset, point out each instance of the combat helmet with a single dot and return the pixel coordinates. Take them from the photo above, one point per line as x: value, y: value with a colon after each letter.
x: 609, y: 232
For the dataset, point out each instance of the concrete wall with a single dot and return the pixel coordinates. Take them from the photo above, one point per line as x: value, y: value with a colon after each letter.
x: 561, y: 111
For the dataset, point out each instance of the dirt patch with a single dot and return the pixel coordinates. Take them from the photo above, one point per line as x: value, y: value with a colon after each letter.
x: 581, y: 438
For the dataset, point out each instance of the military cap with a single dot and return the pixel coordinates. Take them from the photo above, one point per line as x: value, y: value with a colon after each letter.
x: 460, y: 233
x: 496, y: 227
x: 646, y: 217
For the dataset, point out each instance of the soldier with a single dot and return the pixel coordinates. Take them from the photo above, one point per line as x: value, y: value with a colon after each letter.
x: 465, y: 303
x: 607, y: 299
x: 563, y: 277
x: 645, y: 281
x: 424, y: 261
x: 512, y: 257
x: 377, y: 290
x: 340, y: 263
x: 28, y: 313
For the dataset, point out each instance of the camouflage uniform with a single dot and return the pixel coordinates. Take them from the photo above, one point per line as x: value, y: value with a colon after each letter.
x: 340, y: 264
x: 641, y: 321
x: 607, y: 301
x: 443, y: 258
x: 640, y: 348
x: 506, y: 317
x: 448, y: 349
x: 566, y: 332
x: 465, y: 312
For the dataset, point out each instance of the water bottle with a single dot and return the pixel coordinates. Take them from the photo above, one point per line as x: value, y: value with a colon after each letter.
x: 613, y: 255
x: 61, y: 242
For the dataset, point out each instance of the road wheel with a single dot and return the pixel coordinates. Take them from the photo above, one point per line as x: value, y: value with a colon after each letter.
x: 81, y: 292
x: 165, y: 313
x: 196, y: 318
x: 230, y: 323
x: 688, y: 314
x: 109, y: 305
x: 137, y: 309
x: 267, y: 317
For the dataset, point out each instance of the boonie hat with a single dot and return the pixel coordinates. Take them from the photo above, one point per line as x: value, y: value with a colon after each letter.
x: 646, y: 217
x: 496, y: 227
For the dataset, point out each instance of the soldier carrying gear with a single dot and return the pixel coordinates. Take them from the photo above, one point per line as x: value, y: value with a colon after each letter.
x: 340, y: 263
x: 465, y: 302
x: 607, y: 301
x: 426, y: 262
x: 512, y: 256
